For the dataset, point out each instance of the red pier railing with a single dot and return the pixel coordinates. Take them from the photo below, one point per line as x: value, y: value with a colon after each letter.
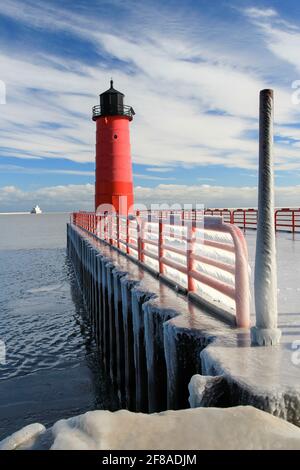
x: 201, y: 255
x: 287, y: 220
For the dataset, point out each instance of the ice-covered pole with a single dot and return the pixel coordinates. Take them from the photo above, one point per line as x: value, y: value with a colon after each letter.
x: 265, y: 332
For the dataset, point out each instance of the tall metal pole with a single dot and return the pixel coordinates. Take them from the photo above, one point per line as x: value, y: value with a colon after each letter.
x: 265, y: 333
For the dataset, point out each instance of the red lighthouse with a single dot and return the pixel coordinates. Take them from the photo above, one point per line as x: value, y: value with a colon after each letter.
x: 114, y: 186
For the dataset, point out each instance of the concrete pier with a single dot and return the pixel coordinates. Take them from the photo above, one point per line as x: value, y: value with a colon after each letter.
x: 153, y: 341
x: 154, y: 319
x: 129, y: 367
x: 138, y: 297
x: 119, y: 335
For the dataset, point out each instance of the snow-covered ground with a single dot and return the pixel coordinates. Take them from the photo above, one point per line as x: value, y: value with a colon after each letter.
x: 242, y: 427
x: 288, y: 268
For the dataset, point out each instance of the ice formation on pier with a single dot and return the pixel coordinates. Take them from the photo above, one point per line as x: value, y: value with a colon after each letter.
x: 160, y: 340
x: 27, y: 434
x: 236, y: 428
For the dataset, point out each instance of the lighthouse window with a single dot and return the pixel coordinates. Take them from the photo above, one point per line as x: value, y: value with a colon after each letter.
x: 115, y: 136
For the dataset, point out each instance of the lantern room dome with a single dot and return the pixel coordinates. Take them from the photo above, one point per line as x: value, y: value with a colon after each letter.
x: 112, y: 104
x: 111, y: 90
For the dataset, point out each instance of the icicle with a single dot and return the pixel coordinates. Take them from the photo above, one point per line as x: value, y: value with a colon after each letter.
x: 138, y: 296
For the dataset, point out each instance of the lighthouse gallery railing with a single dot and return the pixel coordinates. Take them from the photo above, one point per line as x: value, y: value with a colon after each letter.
x: 209, y: 260
x: 122, y: 110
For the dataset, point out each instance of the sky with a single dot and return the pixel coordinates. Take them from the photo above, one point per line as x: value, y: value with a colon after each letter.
x: 192, y: 71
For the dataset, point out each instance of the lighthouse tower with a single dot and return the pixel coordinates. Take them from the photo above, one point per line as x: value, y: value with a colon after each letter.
x: 114, y: 186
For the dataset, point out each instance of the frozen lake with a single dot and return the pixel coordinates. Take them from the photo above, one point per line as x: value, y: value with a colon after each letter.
x: 52, y: 367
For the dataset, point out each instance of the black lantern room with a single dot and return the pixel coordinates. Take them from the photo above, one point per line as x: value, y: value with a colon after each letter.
x: 112, y: 104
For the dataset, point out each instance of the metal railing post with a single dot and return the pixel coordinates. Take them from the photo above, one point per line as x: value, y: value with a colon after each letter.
x: 293, y: 221
x: 190, y: 240
x: 110, y: 228
x: 118, y: 230
x: 160, y: 245
x: 141, y: 238
x: 105, y: 227
x: 138, y: 236
x: 127, y: 236
x: 242, y: 289
x: 265, y: 279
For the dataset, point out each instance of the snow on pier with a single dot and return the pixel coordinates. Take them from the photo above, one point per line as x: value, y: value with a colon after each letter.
x: 103, y: 430
x: 153, y: 340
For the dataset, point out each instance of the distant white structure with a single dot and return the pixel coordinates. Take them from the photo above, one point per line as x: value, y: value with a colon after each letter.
x: 36, y: 210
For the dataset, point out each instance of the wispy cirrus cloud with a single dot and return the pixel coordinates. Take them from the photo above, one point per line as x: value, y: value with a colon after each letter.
x: 153, y: 178
x: 38, y: 171
x: 254, y: 12
x: 159, y: 169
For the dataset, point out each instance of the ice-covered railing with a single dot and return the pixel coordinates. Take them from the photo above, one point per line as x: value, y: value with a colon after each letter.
x: 206, y: 258
x: 285, y: 219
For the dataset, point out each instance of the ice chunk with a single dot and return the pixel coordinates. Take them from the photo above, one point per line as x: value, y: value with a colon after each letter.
x: 242, y: 427
x: 25, y: 435
x: 206, y: 390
